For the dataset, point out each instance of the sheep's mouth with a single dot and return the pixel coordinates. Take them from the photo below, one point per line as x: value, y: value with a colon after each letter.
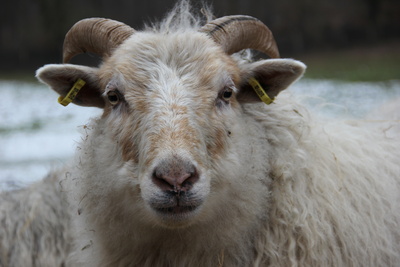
x: 176, y: 206
x: 176, y: 210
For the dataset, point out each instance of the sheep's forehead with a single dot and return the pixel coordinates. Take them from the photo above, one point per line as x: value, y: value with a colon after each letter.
x: 163, y: 61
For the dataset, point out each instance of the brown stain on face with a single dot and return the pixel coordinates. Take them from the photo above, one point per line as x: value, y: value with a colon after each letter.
x: 129, y: 149
x: 217, y: 144
x: 176, y: 136
x: 123, y: 134
x: 213, y: 68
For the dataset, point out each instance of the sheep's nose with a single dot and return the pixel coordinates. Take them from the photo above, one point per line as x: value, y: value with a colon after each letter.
x: 175, y: 175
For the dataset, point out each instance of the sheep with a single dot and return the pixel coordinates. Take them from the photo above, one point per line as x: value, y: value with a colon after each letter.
x: 34, y: 225
x: 188, y: 167
x: 387, y: 116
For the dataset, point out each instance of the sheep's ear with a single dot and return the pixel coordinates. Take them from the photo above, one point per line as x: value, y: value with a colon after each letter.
x: 62, y: 77
x: 273, y: 75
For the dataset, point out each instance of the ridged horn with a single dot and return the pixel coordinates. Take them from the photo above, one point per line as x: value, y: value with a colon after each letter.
x: 235, y: 33
x: 96, y: 35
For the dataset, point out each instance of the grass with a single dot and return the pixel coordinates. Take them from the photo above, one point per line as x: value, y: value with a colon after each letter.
x: 377, y: 63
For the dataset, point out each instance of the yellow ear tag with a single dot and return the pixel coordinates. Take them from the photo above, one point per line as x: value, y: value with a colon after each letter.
x: 260, y: 91
x: 72, y: 93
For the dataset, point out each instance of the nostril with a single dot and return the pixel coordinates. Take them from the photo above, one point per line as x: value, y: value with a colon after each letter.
x: 172, y: 177
x: 187, y: 184
x: 160, y: 181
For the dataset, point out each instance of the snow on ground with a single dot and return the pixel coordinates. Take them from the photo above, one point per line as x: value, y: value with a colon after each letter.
x: 37, y: 134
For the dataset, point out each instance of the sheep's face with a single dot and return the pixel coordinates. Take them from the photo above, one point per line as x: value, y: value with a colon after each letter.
x: 170, y: 103
x: 172, y: 110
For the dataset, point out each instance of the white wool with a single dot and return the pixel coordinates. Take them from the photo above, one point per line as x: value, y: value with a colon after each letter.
x: 335, y: 190
x: 35, y: 225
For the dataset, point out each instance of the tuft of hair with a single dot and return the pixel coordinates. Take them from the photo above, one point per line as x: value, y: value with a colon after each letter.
x: 187, y: 17
x: 183, y: 16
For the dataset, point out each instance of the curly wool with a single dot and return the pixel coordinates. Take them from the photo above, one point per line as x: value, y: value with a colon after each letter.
x: 335, y: 192
x: 35, y: 225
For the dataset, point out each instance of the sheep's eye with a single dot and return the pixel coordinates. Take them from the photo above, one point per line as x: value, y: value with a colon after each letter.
x: 113, y: 97
x: 227, y: 93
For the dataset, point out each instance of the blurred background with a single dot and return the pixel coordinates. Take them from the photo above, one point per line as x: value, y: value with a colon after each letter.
x: 32, y: 31
x: 351, y: 47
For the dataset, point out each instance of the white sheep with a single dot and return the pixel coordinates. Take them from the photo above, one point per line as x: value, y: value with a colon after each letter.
x: 186, y: 166
x: 35, y: 225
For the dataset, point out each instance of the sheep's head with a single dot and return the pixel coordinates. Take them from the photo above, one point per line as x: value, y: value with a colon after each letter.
x: 171, y: 100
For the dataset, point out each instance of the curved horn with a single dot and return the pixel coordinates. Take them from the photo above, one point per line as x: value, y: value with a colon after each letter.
x: 235, y: 33
x: 96, y: 35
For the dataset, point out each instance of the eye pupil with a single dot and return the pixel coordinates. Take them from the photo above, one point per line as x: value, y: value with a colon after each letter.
x: 227, y: 94
x: 113, y: 98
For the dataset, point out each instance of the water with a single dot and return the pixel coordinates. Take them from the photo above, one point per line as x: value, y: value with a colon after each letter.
x: 37, y: 134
